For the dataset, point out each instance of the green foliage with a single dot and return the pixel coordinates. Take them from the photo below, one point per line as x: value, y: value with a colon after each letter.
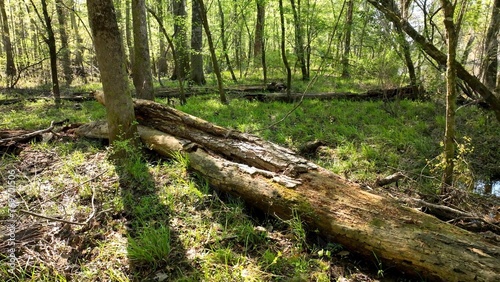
x: 365, y: 138
x: 151, y: 247
x: 39, y: 114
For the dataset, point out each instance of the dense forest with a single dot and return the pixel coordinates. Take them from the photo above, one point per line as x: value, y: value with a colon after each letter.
x: 253, y: 140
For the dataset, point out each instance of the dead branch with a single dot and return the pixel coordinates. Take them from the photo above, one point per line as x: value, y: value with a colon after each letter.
x: 50, y: 218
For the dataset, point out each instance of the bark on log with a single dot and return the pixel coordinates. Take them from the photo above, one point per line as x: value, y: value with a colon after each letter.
x: 278, y: 181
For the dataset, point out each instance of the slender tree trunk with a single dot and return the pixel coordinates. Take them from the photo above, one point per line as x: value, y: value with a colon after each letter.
x: 211, y: 46
x: 65, y: 52
x: 347, y: 40
x: 258, y: 46
x: 224, y: 41
x: 176, y: 60
x: 162, y: 58
x: 451, y: 93
x: 180, y: 40
x: 263, y: 60
x: 490, y: 65
x: 299, y: 39
x: 143, y: 80
x: 78, y: 51
x: 128, y: 34
x: 197, y: 74
x: 111, y: 59
x: 259, y: 29
x: 162, y: 68
x: 10, y: 67
x: 51, y: 43
x: 405, y: 47
x: 283, y: 52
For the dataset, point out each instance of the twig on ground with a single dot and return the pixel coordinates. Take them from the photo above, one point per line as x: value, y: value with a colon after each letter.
x: 50, y: 218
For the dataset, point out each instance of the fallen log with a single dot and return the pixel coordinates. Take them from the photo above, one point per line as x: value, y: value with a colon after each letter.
x: 407, y: 92
x: 75, y: 98
x: 279, y: 182
x: 273, y: 93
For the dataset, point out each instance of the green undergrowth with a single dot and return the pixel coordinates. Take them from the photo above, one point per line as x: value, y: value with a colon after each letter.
x: 39, y: 114
x: 364, y: 140
x: 151, y: 219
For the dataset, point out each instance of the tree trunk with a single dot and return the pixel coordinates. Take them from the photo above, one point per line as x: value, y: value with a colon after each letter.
x: 451, y: 93
x: 224, y: 41
x: 259, y: 30
x: 143, y: 79
x: 10, y: 67
x: 128, y: 33
x: 347, y: 40
x: 385, y: 7
x: 279, y: 182
x: 197, y: 74
x: 181, y: 69
x: 176, y: 60
x: 162, y: 67
x: 78, y: 51
x: 405, y: 47
x: 51, y: 43
x: 111, y: 58
x: 299, y: 39
x: 283, y: 52
x: 65, y: 52
x: 211, y: 47
x: 490, y: 65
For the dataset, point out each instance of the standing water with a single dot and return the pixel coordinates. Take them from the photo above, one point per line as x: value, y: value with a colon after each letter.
x: 482, y: 185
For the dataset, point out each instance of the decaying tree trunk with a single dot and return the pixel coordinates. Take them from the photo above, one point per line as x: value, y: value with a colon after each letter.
x: 278, y: 181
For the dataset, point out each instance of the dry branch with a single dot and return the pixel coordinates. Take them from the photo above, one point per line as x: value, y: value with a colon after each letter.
x: 27, y: 136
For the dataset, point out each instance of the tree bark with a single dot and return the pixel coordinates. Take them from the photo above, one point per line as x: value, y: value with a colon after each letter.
x: 224, y: 41
x: 259, y: 30
x: 51, y: 43
x: 299, y: 39
x: 10, y: 67
x: 111, y: 59
x: 181, y: 69
x: 347, y: 40
x: 384, y: 6
x: 128, y: 33
x: 279, y: 182
x: 490, y: 65
x: 452, y: 29
x: 143, y: 79
x: 162, y: 59
x: 65, y: 52
x: 283, y: 52
x: 197, y: 74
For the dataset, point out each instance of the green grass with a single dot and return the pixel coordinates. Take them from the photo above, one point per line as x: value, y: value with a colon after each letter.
x: 151, y: 247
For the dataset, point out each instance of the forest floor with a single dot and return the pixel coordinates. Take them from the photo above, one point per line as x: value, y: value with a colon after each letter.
x: 167, y: 224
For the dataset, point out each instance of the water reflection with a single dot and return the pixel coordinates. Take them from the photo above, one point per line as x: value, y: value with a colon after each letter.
x: 488, y: 187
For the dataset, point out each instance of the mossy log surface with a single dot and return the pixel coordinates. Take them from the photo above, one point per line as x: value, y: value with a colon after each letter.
x: 278, y: 181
